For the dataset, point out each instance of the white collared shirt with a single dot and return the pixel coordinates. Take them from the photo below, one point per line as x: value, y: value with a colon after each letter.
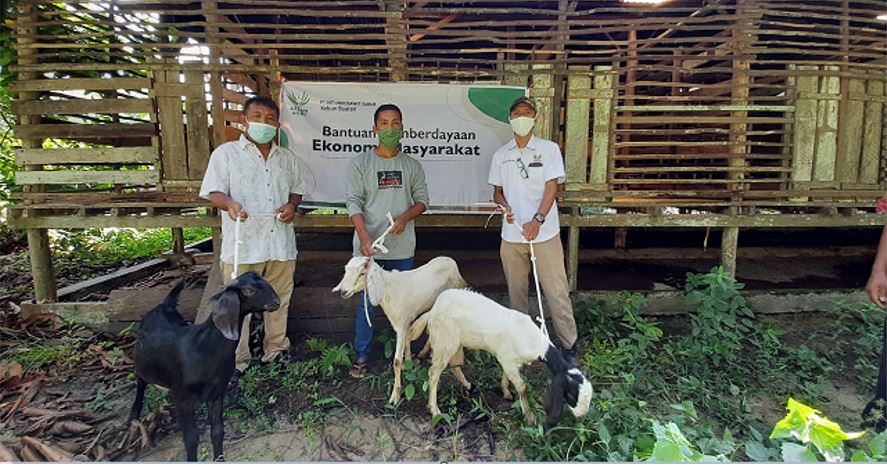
x: 522, y: 174
x: 261, y: 186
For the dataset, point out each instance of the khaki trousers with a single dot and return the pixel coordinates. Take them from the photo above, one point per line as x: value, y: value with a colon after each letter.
x: 552, y: 278
x: 279, y: 275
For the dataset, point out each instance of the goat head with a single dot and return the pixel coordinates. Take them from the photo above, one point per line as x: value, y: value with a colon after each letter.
x: 355, y: 278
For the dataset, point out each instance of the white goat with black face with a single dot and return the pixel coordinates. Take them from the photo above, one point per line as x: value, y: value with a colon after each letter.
x: 466, y: 319
x: 403, y: 296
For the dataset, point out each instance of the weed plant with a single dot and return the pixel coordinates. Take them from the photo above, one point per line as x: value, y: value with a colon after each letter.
x: 687, y: 396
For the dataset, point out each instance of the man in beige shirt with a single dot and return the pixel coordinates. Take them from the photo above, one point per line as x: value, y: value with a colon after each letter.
x: 260, y: 182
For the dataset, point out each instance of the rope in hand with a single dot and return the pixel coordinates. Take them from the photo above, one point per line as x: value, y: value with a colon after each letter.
x: 377, y: 245
x: 238, y: 241
x: 517, y: 224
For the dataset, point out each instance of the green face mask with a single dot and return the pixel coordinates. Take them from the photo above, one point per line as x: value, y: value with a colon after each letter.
x: 390, y: 137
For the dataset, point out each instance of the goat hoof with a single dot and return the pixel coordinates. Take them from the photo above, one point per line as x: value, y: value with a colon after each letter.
x: 507, y: 396
x: 531, y: 420
x: 395, y: 398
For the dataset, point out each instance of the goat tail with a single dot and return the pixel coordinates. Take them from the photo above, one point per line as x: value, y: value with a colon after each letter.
x: 172, y: 299
x: 418, y: 326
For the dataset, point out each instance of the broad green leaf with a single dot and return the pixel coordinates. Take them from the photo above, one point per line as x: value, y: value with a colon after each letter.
x: 859, y: 456
x: 603, y: 433
x: 409, y: 391
x: 794, y: 422
x: 756, y: 451
x: 794, y: 453
x: 878, y: 445
x: 666, y: 452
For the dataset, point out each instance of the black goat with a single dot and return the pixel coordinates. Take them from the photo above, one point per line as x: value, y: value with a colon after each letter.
x: 195, y: 362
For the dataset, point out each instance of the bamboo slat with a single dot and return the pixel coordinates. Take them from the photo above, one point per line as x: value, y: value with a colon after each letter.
x: 872, y: 137
x: 197, y: 126
x: 128, y: 155
x: 90, y: 84
x: 81, y: 106
x: 75, y: 131
x: 135, y: 177
x: 174, y: 156
x: 826, y: 131
x: 576, y: 146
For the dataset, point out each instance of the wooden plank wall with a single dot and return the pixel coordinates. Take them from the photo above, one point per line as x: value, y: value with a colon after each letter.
x: 644, y: 98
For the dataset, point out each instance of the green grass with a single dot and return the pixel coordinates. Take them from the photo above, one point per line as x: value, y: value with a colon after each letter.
x: 100, y: 247
x: 35, y: 355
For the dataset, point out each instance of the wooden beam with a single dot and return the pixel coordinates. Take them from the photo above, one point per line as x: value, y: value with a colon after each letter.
x: 434, y: 27
x: 77, y: 131
x: 89, y: 84
x: 326, y: 223
x: 141, y: 177
x: 110, y: 155
x: 81, y: 106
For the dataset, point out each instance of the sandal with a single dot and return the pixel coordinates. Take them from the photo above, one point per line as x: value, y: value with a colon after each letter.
x: 358, y: 370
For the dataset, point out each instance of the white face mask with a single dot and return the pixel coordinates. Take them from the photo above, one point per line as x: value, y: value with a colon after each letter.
x: 522, y: 125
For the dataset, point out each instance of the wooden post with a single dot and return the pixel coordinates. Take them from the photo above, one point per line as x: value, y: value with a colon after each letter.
x: 215, y: 77
x: 729, y: 243
x: 573, y: 252
x: 178, y: 241
x: 578, y: 110
x: 515, y: 74
x: 620, y: 239
x: 396, y: 42
x: 38, y: 239
x: 741, y: 41
x: 542, y: 91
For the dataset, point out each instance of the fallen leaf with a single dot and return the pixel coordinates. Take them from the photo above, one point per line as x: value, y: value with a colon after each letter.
x: 101, y: 454
x: 69, y: 427
x: 10, y: 370
x: 50, y: 452
x: 32, y: 388
x: 30, y: 455
x: 39, y: 412
x: 7, y: 455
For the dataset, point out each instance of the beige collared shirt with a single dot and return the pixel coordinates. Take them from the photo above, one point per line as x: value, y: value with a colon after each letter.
x: 261, y: 186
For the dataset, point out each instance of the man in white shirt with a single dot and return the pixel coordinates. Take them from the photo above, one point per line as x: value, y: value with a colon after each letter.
x: 260, y: 182
x: 525, y: 173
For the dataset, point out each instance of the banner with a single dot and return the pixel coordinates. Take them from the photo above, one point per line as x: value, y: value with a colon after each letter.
x: 453, y: 130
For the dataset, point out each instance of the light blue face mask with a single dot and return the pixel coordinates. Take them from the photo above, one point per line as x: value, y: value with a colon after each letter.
x: 260, y: 132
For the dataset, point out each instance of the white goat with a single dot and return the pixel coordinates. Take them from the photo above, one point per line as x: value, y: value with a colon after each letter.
x: 403, y: 296
x: 464, y: 318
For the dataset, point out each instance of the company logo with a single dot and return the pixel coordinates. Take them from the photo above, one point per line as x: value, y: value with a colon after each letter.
x: 298, y: 104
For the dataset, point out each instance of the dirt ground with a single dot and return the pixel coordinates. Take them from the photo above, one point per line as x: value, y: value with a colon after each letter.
x: 93, y: 394
x: 91, y: 398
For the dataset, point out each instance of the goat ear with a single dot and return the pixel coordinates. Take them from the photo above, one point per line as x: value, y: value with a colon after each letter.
x: 226, y: 315
x: 375, y: 283
x: 554, y: 400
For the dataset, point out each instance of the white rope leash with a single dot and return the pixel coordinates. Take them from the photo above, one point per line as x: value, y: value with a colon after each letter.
x: 377, y: 244
x: 541, y: 319
x: 238, y: 241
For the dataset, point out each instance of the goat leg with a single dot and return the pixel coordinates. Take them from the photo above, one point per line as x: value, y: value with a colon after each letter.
x: 456, y: 363
x: 217, y: 426
x: 400, y: 347
x: 136, y: 411
x: 433, y: 379
x: 188, y: 426
x: 518, y: 382
x: 505, y: 392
